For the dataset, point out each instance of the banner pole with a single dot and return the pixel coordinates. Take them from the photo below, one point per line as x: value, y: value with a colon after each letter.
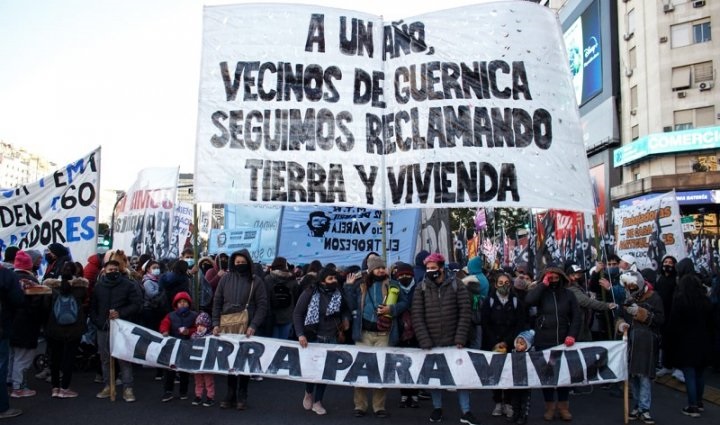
x: 196, y: 279
x: 626, y: 396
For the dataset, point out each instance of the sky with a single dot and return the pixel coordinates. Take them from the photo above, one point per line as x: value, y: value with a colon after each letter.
x: 123, y: 75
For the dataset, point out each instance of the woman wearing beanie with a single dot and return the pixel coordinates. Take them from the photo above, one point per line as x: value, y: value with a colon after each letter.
x: 376, y: 303
x: 558, y: 322
x: 65, y: 327
x: 320, y: 314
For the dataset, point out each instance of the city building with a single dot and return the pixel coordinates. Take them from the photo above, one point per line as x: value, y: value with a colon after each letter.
x: 185, y: 188
x: 19, y: 167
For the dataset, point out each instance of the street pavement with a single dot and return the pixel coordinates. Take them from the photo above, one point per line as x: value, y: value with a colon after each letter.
x: 280, y: 402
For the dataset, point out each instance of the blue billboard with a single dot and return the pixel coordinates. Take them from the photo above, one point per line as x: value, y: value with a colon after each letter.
x: 583, y: 42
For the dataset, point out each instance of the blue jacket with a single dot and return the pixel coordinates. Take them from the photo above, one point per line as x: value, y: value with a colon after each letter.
x: 356, y: 296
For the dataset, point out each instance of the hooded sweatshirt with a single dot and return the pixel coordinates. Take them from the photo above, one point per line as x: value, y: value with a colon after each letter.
x: 233, y: 294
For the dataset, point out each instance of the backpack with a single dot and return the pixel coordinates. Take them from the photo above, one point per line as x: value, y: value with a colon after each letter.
x: 65, y: 310
x: 281, y: 296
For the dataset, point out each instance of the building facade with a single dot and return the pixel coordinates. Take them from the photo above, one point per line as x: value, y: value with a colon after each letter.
x: 19, y: 167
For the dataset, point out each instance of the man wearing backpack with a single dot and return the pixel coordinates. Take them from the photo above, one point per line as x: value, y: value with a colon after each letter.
x: 281, y: 287
x: 115, y: 296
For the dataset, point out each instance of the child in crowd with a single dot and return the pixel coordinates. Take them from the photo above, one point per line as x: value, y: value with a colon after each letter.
x: 179, y: 323
x: 520, y: 398
x: 203, y: 381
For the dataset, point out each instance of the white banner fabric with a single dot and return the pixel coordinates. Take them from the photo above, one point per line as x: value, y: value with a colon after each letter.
x: 59, y: 208
x: 650, y: 230
x: 312, y: 105
x: 375, y: 367
x: 143, y: 218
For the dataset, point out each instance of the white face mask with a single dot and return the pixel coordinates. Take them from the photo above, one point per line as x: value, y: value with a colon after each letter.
x: 155, y: 272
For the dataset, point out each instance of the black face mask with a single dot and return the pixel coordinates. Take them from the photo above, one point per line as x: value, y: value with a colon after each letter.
x: 112, y: 276
x: 329, y: 286
x: 49, y: 258
x: 205, y: 268
x: 66, y: 276
x: 669, y: 269
x: 241, y: 268
x: 432, y: 275
x: 405, y: 281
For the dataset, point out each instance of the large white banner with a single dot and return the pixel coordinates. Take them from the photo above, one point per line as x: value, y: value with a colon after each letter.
x: 388, y: 367
x: 144, y: 217
x: 59, y: 208
x: 346, y: 235
x: 650, y: 230
x: 313, y: 105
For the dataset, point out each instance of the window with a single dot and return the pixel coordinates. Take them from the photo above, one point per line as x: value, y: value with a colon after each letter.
x: 688, y: 119
x: 635, y: 132
x: 705, y: 117
x: 703, y: 72
x: 683, y: 119
x: 681, y: 78
x: 701, y: 32
x: 689, y: 33
x: 632, y: 58
x: 633, y: 98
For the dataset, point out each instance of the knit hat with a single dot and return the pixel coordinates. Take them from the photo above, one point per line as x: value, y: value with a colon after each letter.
x: 58, y: 249
x: 181, y: 296
x: 203, y: 319
x: 34, y: 254
x: 557, y: 270
x: 325, y: 272
x: 375, y: 263
x: 435, y: 257
x: 628, y: 259
x: 403, y: 269
x: 528, y: 336
x: 23, y: 261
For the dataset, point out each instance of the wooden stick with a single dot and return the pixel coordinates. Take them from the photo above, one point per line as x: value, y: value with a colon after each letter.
x: 112, y: 379
x: 626, y: 391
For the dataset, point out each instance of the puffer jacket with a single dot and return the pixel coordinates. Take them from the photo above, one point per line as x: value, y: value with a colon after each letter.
x: 122, y: 295
x: 233, y: 294
x: 558, y: 314
x: 441, y: 313
x: 79, y: 289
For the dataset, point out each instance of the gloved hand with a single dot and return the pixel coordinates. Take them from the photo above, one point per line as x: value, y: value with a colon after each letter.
x: 632, y: 309
x: 622, y: 327
x: 569, y: 341
x: 546, y: 280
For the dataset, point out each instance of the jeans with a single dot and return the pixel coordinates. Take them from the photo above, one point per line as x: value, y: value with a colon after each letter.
x: 126, y: 371
x: 463, y: 399
x: 62, y: 359
x: 4, y: 360
x: 281, y: 331
x: 563, y: 394
x: 19, y: 363
x: 694, y: 383
x: 641, y: 387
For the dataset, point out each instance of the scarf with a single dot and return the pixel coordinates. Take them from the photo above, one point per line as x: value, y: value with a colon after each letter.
x: 313, y: 312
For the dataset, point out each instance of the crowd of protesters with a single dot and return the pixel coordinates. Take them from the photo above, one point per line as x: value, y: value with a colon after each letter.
x: 431, y: 303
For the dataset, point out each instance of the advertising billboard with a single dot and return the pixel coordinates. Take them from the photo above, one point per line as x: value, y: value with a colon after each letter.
x: 584, y: 45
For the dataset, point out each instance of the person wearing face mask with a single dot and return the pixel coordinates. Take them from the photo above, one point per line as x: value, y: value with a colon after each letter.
x: 375, y: 321
x: 441, y: 318
x: 153, y: 296
x: 404, y: 274
x: 605, y: 284
x: 665, y: 287
x: 200, y: 287
x: 320, y: 313
x: 237, y: 290
x: 56, y: 256
x: 558, y: 322
x: 173, y: 282
x: 179, y: 323
x: 503, y: 318
x: 114, y: 296
x: 642, y: 316
x: 587, y: 304
x: 220, y: 267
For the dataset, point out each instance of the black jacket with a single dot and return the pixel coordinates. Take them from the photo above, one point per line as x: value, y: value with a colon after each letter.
x: 502, y: 322
x: 123, y: 295
x: 558, y: 315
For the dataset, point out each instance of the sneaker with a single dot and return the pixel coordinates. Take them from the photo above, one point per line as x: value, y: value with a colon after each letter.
x: 662, y: 371
x: 701, y: 406
x: 118, y: 381
x: 183, y: 396
x: 404, y: 401
x: 634, y: 414
x: 196, y: 401
x: 691, y: 411
x: 98, y: 379
x: 318, y: 408
x: 209, y: 402
x: 23, y: 392
x: 358, y: 413
x: 10, y: 413
x: 67, y: 393
x: 646, y: 418
x: 105, y: 393
x: 436, y: 415
x: 424, y: 395
x: 677, y: 374
x: 55, y: 392
x: 498, y: 410
x: 307, y: 401
x: 508, y: 410
x: 43, y: 374
x: 167, y: 397
x: 381, y: 414
x: 469, y: 419
x: 128, y: 395
x: 256, y: 378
